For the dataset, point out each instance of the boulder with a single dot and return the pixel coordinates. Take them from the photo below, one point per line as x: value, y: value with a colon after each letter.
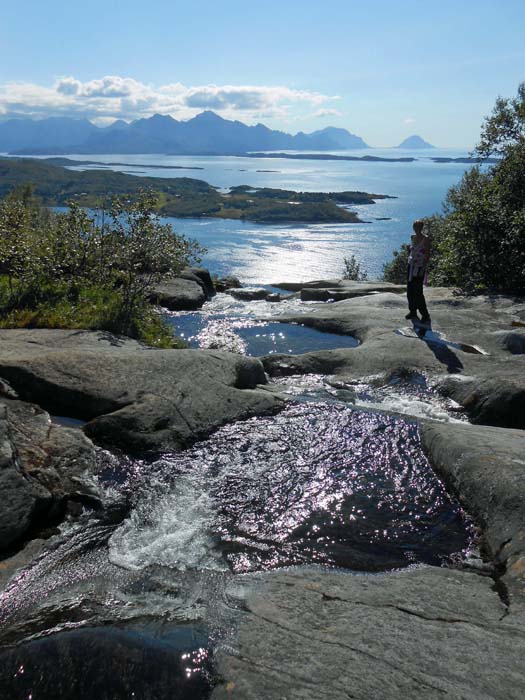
x: 512, y: 341
x: 495, y: 397
x: 201, y: 276
x: 249, y: 294
x: 43, y: 466
x: 22, y: 498
x: 222, y: 284
x: 178, y: 294
x: 158, y: 399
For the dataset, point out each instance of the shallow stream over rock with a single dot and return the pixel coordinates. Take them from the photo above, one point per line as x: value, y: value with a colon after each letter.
x: 134, y: 600
x: 320, y: 484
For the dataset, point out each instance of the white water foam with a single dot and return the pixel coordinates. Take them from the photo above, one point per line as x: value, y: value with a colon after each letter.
x: 169, y: 529
x: 410, y: 406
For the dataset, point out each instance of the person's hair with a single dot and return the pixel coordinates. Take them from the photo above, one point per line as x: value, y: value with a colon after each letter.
x: 418, y: 225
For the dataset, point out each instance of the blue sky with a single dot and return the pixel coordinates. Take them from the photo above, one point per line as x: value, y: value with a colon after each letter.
x: 384, y: 70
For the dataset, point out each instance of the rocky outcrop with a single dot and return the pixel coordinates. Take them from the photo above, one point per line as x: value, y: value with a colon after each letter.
x: 42, y: 467
x: 337, y: 290
x: 133, y: 397
x: 473, y: 352
x: 420, y: 633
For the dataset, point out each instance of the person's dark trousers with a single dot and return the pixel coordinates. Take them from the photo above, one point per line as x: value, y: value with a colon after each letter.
x: 415, y: 296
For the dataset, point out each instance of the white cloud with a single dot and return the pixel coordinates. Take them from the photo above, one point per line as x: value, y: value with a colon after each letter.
x: 409, y: 120
x: 326, y: 112
x: 115, y: 97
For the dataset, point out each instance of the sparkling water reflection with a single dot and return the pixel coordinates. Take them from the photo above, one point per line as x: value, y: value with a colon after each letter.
x: 319, y: 483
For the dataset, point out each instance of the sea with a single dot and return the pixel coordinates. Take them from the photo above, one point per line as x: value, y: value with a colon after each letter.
x: 271, y: 253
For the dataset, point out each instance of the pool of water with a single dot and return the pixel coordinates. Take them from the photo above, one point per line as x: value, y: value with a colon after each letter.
x: 108, y: 662
x: 320, y: 483
x: 253, y: 328
x: 251, y: 337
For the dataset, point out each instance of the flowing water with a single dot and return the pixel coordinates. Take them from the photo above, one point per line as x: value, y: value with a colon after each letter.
x: 320, y: 484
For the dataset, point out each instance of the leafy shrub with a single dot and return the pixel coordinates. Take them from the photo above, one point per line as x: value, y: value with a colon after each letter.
x: 352, y: 270
x: 396, y: 270
x: 77, y: 270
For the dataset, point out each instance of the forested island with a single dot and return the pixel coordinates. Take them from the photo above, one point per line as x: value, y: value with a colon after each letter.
x: 182, y: 196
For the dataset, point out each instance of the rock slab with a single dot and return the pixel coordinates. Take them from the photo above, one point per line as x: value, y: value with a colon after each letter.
x: 418, y: 634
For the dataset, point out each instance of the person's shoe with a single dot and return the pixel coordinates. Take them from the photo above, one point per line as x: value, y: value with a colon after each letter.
x: 426, y: 320
x: 411, y: 317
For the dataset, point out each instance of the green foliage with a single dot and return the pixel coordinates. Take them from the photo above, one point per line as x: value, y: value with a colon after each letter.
x: 505, y: 127
x: 352, y: 270
x: 76, y: 270
x: 396, y: 270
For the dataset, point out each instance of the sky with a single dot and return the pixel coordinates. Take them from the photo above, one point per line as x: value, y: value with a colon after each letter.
x: 383, y: 70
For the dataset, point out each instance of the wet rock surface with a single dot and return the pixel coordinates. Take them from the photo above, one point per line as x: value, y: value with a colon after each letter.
x: 305, y: 633
x: 43, y: 466
x: 485, y: 468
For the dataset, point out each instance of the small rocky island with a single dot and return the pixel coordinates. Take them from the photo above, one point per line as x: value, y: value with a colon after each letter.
x: 421, y: 632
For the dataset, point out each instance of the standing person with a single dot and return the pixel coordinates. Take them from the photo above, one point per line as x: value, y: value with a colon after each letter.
x: 416, y: 274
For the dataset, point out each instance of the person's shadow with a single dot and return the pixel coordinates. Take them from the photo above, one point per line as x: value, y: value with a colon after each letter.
x: 439, y: 347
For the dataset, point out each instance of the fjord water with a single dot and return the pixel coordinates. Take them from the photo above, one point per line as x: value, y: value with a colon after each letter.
x: 265, y: 254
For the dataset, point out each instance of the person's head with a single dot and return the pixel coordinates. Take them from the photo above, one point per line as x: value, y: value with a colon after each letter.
x: 418, y: 227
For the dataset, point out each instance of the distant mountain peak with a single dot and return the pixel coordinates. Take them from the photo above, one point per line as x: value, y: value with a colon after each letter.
x: 161, y: 118
x: 207, y: 116
x: 415, y: 141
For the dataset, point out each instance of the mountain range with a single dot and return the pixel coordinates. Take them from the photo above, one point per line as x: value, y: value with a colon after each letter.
x: 206, y: 133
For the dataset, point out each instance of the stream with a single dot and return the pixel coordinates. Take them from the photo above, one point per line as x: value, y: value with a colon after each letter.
x: 134, y: 600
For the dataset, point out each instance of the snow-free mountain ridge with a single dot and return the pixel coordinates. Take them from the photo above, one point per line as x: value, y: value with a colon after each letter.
x: 206, y: 133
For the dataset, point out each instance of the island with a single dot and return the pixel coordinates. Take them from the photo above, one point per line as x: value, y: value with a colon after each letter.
x: 57, y: 185
x: 415, y: 141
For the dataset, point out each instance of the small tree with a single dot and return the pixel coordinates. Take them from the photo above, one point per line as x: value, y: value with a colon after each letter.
x: 144, y: 251
x: 352, y: 270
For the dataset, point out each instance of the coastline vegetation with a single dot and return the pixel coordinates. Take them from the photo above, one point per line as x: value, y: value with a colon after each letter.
x: 180, y: 197
x: 90, y: 271
x: 478, y: 242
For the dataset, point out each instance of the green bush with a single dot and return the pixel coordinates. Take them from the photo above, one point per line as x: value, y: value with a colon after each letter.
x: 77, y: 270
x: 396, y: 270
x: 353, y: 271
